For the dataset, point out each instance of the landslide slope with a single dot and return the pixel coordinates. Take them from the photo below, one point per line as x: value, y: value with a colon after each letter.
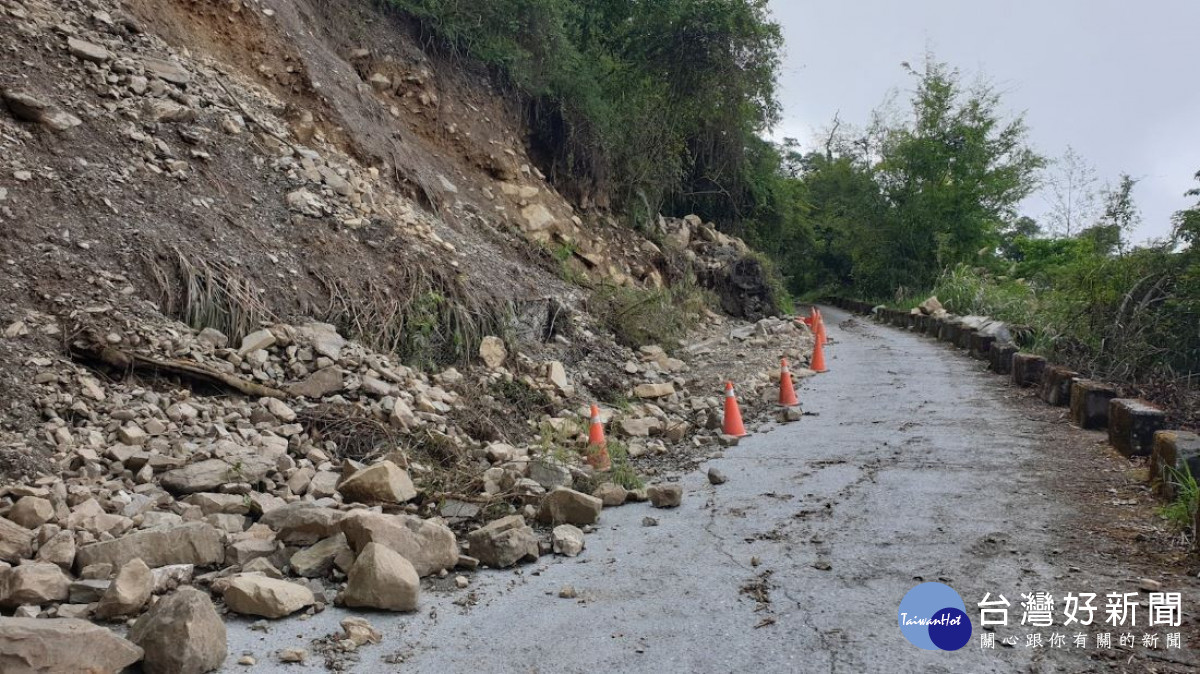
x: 232, y: 163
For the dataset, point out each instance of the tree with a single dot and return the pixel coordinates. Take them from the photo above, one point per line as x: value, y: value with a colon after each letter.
x: 1119, y: 218
x: 1014, y: 233
x: 1187, y: 221
x: 952, y: 175
x: 1072, y: 186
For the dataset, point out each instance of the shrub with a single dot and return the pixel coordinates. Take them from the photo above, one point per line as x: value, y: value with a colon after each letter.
x: 640, y: 317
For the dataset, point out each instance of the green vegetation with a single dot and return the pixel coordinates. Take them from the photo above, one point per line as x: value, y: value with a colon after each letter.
x: 622, y: 472
x: 641, y: 105
x: 1182, y: 511
x: 653, y: 316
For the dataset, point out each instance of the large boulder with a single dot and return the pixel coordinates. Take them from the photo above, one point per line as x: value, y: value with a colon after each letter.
x: 250, y: 594
x: 33, y: 584
x: 504, y: 542
x: 429, y: 546
x: 191, y: 543
x: 567, y: 506
x: 303, y: 523
x: 181, y: 634
x: 381, y: 578
x: 38, y: 646
x: 31, y: 512
x: 129, y: 591
x: 384, y: 482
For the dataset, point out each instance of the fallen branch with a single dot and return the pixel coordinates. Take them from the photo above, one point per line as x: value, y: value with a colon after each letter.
x: 90, y: 349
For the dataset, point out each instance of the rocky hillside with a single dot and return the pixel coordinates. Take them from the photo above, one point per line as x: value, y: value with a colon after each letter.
x: 289, y: 315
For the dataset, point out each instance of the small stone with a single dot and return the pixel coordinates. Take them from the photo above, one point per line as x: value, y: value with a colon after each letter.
x: 493, y: 352
x: 213, y: 337
x: 88, y: 51
x: 317, y: 560
x: 280, y: 410
x: 649, y: 522
x: 132, y: 435
x: 1149, y: 585
x: 567, y: 506
x: 262, y: 339
x: 715, y: 476
x: 665, y: 495
x: 504, y: 542
x: 461, y: 582
x: 567, y: 592
x: 558, y: 377
x: 247, y: 660
x: 384, y: 482
x: 293, y: 655
x: 319, y: 384
x: 266, y: 597
x: 650, y: 391
x: 550, y: 474
x: 567, y: 540
x: 360, y: 632
x: 611, y: 495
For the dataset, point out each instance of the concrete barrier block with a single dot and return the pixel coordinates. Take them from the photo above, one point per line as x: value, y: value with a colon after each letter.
x: 949, y: 332
x: 1132, y: 424
x: 964, y: 337
x: 1089, y: 403
x: 1027, y: 369
x: 1056, y: 385
x: 981, y: 346
x: 1000, y: 358
x: 1172, y: 450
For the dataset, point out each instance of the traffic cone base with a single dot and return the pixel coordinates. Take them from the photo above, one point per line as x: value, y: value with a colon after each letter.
x: 787, y: 392
x: 733, y: 416
x: 597, y: 454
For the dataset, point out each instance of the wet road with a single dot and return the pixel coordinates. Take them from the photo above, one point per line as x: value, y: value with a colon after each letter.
x: 915, y: 468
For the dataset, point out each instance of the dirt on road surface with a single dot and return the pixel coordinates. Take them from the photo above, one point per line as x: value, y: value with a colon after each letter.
x: 917, y: 467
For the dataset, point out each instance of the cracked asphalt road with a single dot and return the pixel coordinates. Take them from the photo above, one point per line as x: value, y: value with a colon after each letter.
x: 917, y: 467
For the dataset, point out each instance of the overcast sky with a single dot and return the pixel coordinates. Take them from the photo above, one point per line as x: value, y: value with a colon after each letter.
x: 1117, y: 80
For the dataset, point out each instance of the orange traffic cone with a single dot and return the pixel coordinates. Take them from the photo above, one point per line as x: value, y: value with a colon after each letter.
x: 733, y: 416
x: 818, y: 358
x: 597, y: 456
x: 820, y: 327
x: 787, y: 393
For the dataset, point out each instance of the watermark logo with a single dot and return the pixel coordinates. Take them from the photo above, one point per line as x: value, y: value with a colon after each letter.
x: 933, y: 617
